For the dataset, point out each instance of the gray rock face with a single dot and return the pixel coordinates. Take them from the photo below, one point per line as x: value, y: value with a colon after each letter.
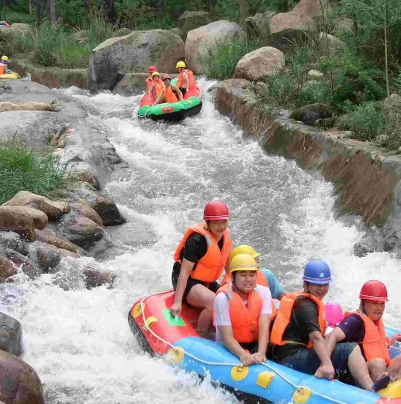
x: 191, y: 20
x: 45, y: 257
x: 19, y: 383
x: 203, y: 42
x: 10, y: 335
x: 132, y: 53
x: 259, y: 25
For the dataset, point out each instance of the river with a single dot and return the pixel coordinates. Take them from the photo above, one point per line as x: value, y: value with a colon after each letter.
x: 79, y: 341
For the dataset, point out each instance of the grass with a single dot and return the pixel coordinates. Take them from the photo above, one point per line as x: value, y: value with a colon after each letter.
x: 12, y: 17
x: 23, y: 170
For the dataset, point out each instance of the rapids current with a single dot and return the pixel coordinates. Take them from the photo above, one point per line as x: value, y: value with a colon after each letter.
x: 79, y: 341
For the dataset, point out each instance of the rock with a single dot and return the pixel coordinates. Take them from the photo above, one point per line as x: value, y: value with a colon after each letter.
x: 122, y: 32
x: 18, y: 221
x: 20, y: 261
x: 68, y: 253
x: 114, y: 57
x: 13, y: 241
x: 19, y: 383
x: 61, y: 243
x: 191, y: 20
x: 85, y: 210
x: 315, y: 75
x: 343, y: 25
x: 258, y: 26
x: 308, y: 114
x: 393, y: 101
x: 10, y: 335
x: 7, y: 268
x: 80, y: 36
x: 53, y: 209
x: 290, y: 21
x: 15, y: 30
x: 325, y: 123
x: 260, y: 63
x: 39, y: 218
x: 94, y: 277
x: 104, y: 207
x: 203, y: 42
x: 131, y: 84
x: 177, y: 31
x: 231, y: 84
x: 335, y: 45
x: 44, y: 256
x: 83, y: 172
x: 80, y: 230
x: 311, y: 8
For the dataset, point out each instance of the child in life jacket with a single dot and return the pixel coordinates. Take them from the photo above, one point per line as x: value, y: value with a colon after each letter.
x: 365, y: 327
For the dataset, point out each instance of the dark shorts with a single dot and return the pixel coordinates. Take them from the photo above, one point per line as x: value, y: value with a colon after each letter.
x: 213, y: 286
x: 306, y: 360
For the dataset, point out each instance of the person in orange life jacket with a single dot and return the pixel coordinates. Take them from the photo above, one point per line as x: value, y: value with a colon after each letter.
x: 365, y: 326
x: 297, y: 335
x: 242, y: 312
x: 200, y: 259
x: 170, y: 93
x: 149, y: 80
x: 185, y: 78
x: 156, y: 88
x: 264, y: 277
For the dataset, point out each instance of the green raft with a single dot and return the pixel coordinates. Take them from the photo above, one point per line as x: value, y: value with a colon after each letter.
x: 172, y: 112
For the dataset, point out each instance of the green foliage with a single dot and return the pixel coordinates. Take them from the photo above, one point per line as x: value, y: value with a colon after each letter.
x: 319, y: 92
x: 23, y: 170
x: 13, y: 16
x: 391, y: 137
x: 222, y: 65
x: 366, y: 121
x: 71, y: 11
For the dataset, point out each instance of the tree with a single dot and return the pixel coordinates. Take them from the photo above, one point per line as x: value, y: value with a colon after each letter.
x: 52, y: 11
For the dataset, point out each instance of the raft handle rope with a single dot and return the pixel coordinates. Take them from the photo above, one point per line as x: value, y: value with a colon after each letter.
x: 240, y: 365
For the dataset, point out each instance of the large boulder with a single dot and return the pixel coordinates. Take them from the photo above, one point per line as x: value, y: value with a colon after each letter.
x: 260, y: 63
x: 7, y: 268
x: 15, y: 30
x: 334, y: 44
x: 259, y: 25
x: 191, y: 20
x: 10, y: 335
x: 53, y: 209
x: 12, y: 240
x: 95, y: 277
x: 48, y: 237
x: 122, y: 32
x: 204, y: 42
x: 131, y: 84
x: 17, y: 220
x: 290, y: 21
x: 45, y: 256
x: 19, y: 383
x: 22, y: 262
x: 311, y: 8
x: 114, y: 57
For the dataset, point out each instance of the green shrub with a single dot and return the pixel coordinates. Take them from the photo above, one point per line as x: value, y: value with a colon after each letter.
x: 222, y: 65
x: 367, y: 121
x: 391, y: 137
x: 319, y: 92
x: 23, y: 170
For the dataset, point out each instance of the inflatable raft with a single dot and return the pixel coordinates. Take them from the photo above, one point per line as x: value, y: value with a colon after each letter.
x: 10, y: 76
x: 161, y: 334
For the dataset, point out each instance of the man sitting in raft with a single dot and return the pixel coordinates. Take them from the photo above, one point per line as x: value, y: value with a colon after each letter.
x: 298, y: 330
x: 170, y: 93
x: 156, y: 87
x: 242, y: 312
x: 149, y: 80
x: 365, y: 326
x: 185, y: 80
x: 264, y: 276
x: 200, y: 259
x: 6, y: 62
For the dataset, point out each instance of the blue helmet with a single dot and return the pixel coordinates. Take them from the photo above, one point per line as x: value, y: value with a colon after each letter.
x: 317, y: 272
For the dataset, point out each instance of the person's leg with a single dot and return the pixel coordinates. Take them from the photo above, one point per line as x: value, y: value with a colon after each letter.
x: 202, y: 297
x: 359, y: 369
x: 304, y: 360
x: 394, y: 368
x: 376, y: 368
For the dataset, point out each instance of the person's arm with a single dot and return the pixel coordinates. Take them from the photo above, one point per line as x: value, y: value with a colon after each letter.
x: 178, y: 91
x: 396, y: 337
x: 264, y: 330
x: 150, y: 90
x: 233, y: 346
x: 159, y: 99
x: 337, y: 335
x: 186, y: 268
x: 186, y: 80
x: 326, y: 369
x: 275, y: 287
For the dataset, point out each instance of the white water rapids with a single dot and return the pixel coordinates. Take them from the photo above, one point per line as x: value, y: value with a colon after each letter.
x: 79, y: 341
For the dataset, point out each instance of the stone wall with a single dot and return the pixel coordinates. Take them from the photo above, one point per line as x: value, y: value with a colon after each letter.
x: 366, y: 178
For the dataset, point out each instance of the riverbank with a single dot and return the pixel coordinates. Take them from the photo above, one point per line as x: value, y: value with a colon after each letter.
x: 366, y: 178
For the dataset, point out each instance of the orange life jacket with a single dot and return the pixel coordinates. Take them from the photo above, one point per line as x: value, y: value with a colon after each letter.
x: 283, y: 317
x: 169, y: 95
x: 375, y: 342
x: 210, y: 267
x: 244, y: 318
x: 180, y: 81
x: 149, y: 82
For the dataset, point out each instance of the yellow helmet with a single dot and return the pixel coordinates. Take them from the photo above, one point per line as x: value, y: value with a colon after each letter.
x: 4, y: 58
x: 180, y: 64
x: 243, y: 249
x: 243, y: 262
x: 155, y: 74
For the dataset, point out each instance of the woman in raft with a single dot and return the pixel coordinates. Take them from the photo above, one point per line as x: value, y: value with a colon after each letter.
x: 200, y: 259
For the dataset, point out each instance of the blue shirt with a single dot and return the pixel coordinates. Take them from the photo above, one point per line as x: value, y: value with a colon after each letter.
x: 274, y: 285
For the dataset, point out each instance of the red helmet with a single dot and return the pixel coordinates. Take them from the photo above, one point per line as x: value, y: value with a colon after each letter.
x: 152, y: 69
x: 216, y: 210
x: 375, y: 291
x: 167, y: 76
